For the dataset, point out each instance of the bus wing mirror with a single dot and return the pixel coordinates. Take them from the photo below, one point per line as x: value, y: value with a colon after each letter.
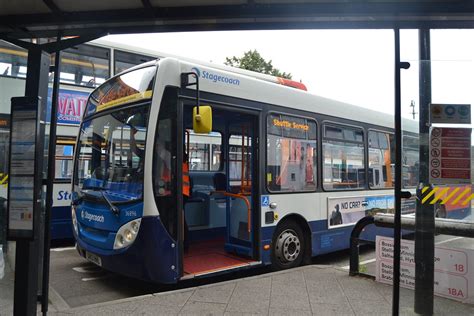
x: 202, y: 119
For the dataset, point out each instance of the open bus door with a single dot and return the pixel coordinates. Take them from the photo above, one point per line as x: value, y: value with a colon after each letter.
x: 241, y: 189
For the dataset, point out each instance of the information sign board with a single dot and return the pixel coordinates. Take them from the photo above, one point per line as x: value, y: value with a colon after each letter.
x: 450, y: 155
x: 25, y: 158
x: 450, y: 113
x: 453, y: 278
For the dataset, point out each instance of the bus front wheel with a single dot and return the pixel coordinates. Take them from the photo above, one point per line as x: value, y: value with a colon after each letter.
x: 288, y: 246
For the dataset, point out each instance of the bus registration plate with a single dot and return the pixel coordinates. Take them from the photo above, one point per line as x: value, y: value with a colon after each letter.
x: 93, y: 258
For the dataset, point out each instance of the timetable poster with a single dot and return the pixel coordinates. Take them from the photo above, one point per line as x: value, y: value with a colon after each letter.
x: 21, y: 195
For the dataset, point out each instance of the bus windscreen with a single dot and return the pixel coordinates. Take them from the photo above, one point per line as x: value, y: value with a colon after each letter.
x: 131, y: 87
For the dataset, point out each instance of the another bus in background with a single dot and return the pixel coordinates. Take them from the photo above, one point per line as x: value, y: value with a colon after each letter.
x: 83, y: 68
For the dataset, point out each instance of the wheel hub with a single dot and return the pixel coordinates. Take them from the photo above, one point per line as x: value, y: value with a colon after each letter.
x: 288, y: 246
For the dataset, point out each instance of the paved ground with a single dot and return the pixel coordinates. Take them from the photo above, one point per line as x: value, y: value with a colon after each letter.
x: 6, y: 291
x: 310, y: 290
x: 323, y: 288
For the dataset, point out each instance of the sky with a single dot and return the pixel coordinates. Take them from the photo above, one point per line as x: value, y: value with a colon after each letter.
x: 353, y: 66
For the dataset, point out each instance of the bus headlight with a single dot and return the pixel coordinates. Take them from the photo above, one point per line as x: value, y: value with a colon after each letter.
x: 127, y: 234
x: 74, y: 219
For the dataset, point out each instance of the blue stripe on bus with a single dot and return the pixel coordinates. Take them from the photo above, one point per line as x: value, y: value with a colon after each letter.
x: 460, y: 213
x: 325, y: 241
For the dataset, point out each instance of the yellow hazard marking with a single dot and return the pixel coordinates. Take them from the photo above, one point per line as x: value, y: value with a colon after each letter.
x: 440, y: 195
x: 468, y: 199
x: 429, y: 195
x: 4, y: 179
x: 461, y: 195
x: 447, y: 195
x: 450, y: 195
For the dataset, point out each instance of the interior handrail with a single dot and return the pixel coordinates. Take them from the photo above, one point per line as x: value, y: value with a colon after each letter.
x: 242, y: 197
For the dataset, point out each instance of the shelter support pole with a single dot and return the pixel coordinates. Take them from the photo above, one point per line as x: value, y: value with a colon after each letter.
x: 51, y: 177
x: 27, y: 258
x: 398, y: 182
x: 425, y: 214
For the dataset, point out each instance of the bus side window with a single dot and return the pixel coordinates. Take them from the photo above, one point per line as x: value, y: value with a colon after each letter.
x: 291, y: 154
x: 85, y: 65
x: 381, y: 153
x: 343, y: 152
x: 64, y: 160
x: 13, y: 60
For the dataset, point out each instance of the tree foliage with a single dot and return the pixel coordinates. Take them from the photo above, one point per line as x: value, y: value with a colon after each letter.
x: 252, y: 60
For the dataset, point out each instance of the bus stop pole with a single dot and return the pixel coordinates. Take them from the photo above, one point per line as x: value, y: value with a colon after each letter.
x: 425, y: 217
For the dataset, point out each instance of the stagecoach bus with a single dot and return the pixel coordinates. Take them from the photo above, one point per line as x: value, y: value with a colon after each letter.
x: 276, y: 175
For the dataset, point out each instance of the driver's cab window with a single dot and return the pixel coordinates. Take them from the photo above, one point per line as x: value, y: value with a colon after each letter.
x: 204, y: 151
x: 240, y: 155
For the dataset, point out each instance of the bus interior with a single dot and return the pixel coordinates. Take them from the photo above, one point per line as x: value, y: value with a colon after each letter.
x: 219, y: 214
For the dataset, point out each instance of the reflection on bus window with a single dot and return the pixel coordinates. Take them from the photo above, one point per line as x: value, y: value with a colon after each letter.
x: 13, y: 60
x: 112, y: 152
x: 204, y: 151
x: 381, y: 159
x: 85, y: 65
x: 411, y: 161
x: 291, y: 153
x: 64, y: 159
x: 343, y: 154
x: 126, y: 60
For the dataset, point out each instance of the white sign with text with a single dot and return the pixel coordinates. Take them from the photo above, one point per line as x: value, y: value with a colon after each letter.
x: 452, y: 276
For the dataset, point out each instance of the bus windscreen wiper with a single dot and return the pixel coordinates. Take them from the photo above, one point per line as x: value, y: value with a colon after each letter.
x: 113, y: 208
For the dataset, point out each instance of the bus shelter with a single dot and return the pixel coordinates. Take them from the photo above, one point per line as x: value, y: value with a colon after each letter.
x: 34, y: 25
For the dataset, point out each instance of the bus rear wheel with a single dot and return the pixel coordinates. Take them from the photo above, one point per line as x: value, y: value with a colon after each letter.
x: 288, y: 246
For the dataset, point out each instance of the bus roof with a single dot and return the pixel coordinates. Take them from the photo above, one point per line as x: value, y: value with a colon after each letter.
x: 268, y: 92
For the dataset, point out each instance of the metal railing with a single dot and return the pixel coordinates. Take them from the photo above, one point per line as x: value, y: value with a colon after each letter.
x: 442, y: 226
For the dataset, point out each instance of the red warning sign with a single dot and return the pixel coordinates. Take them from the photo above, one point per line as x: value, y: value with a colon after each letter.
x: 450, y: 155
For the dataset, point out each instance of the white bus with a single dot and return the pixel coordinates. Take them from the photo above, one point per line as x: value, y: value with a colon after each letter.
x: 282, y: 176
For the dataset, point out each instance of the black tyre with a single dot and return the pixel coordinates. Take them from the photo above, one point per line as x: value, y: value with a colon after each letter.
x: 287, y: 246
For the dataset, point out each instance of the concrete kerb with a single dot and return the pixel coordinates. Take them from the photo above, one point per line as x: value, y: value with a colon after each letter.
x: 104, y: 304
x: 57, y: 302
